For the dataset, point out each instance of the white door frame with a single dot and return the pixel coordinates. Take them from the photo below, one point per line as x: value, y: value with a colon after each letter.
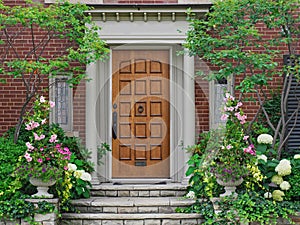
x: 182, y: 110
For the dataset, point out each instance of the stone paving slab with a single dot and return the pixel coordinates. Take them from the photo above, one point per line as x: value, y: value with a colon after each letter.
x: 132, y: 201
x: 112, y: 216
x: 145, y: 187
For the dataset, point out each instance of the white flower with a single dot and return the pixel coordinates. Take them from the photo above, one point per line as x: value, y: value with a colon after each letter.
x: 284, y: 167
x: 277, y: 179
x: 297, y: 156
x: 278, y: 195
x: 72, y: 167
x: 191, y: 195
x: 42, y: 99
x: 285, y: 186
x: 265, y: 139
x: 86, y: 176
x: 78, y: 173
x: 268, y: 195
x: 262, y: 157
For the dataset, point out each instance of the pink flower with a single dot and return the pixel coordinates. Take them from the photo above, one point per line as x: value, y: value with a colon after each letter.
x: 250, y: 149
x: 29, y: 146
x: 241, y: 118
x: 245, y: 138
x: 224, y: 117
x: 40, y: 160
x: 44, y: 121
x: 66, y: 168
x: 53, y: 138
x: 31, y: 125
x: 28, y: 126
x: 239, y: 104
x: 230, y: 109
x: 227, y: 95
x: 52, y: 104
x: 37, y: 137
x: 42, y: 99
x: 229, y: 147
x: 28, y: 157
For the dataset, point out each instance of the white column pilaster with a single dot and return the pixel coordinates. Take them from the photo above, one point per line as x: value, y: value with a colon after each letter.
x: 91, y: 126
x: 189, y: 109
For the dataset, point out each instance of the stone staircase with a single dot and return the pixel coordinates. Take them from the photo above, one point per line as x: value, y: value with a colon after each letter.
x: 145, y: 204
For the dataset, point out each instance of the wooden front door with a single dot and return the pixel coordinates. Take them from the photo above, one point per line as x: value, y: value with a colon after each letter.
x: 140, y: 112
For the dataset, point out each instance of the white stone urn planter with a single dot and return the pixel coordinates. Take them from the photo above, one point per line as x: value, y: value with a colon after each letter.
x: 230, y: 186
x: 42, y: 187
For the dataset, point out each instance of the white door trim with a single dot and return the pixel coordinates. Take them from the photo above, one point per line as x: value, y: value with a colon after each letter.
x: 182, y: 103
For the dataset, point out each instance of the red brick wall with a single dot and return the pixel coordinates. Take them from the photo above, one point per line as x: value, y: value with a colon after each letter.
x: 12, y: 94
x: 79, y: 110
x: 201, y: 99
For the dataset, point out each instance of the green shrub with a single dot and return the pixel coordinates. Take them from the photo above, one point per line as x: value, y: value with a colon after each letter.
x: 9, y: 154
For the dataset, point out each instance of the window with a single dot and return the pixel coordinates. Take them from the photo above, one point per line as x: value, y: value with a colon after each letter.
x: 216, y: 101
x: 61, y: 94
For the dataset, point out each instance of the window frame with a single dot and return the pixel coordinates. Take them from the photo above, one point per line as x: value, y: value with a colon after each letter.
x: 52, y: 93
x: 215, y: 122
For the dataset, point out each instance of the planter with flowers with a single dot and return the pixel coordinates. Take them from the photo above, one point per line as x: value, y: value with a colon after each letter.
x: 270, y: 188
x: 230, y: 159
x: 45, y: 160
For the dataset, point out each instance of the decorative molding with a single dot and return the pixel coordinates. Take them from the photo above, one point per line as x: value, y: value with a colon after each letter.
x: 132, y: 14
x: 194, y: 2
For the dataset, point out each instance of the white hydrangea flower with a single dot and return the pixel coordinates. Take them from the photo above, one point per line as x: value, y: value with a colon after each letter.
x: 284, y: 167
x: 86, y: 176
x: 297, y: 156
x: 268, y: 195
x: 191, y: 195
x: 262, y: 157
x: 72, y: 167
x: 78, y: 173
x: 285, y: 186
x: 277, y: 179
x: 265, y: 139
x: 278, y: 195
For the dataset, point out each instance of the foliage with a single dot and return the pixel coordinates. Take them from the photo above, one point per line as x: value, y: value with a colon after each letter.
x: 242, y: 40
x: 17, y: 207
x: 102, y: 150
x: 64, y: 23
x: 70, y: 184
x: 260, y: 199
x: 9, y: 154
x: 272, y: 106
x: 45, y: 157
x: 251, y: 207
x: 202, y: 183
x: 281, y: 178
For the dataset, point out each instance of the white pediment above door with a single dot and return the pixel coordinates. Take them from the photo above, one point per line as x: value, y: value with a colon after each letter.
x: 145, y: 23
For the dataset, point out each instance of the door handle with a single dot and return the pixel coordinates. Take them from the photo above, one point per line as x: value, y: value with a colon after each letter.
x: 115, y: 125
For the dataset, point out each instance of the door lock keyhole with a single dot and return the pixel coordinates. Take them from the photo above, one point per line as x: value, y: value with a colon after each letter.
x: 140, y: 109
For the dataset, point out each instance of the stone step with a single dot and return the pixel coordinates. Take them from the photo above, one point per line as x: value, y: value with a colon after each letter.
x: 120, y: 205
x: 139, y: 190
x: 130, y: 219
